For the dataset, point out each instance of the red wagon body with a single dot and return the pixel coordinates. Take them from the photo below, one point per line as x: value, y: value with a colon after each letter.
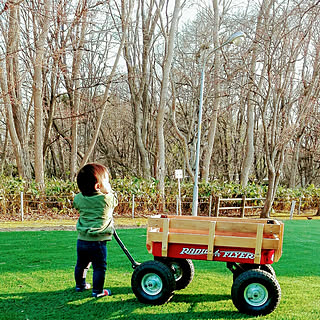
x: 255, y: 241
x: 248, y: 246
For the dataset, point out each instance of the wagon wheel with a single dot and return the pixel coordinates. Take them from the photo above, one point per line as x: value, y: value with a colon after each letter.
x: 183, y: 270
x: 242, y: 267
x: 268, y: 268
x: 152, y: 282
x: 256, y: 292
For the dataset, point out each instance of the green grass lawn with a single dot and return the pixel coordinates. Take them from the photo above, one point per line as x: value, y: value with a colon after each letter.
x: 36, y: 276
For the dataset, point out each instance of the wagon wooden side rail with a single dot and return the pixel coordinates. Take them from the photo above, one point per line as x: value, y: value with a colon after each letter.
x: 257, y: 241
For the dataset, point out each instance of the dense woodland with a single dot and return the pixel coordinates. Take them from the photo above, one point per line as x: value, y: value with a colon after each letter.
x: 118, y: 82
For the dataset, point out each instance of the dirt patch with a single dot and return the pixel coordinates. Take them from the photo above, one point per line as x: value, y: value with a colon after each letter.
x: 63, y: 228
x: 44, y: 228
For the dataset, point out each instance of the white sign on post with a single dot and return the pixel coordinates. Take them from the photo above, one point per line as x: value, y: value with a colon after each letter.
x: 179, y: 175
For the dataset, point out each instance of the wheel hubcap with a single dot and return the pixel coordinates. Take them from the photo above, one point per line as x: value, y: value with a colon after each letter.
x: 151, y: 284
x: 256, y: 294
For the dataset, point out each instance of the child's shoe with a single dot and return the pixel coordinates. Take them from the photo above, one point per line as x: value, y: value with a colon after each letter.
x: 105, y: 292
x: 87, y: 286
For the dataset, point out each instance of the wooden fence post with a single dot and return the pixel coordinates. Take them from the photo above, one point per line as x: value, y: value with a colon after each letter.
x: 243, y: 206
x: 133, y: 206
x: 293, y: 204
x: 177, y: 206
x: 210, y: 205
x: 21, y: 205
x: 216, y: 206
x: 299, y: 208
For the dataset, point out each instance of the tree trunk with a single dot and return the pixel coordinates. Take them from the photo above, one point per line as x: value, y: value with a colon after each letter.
x: 318, y: 211
x: 105, y: 102
x: 138, y: 125
x: 181, y: 136
x: 11, y: 94
x: 4, y: 149
x: 270, y: 195
x: 216, y: 101
x: 38, y: 96
x: 295, y: 162
x: 163, y: 98
x: 138, y: 62
x: 249, y: 148
x: 274, y: 174
x: 20, y: 153
x: 79, y: 44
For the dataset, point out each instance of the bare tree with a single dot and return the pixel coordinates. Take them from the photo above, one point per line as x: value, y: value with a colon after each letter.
x: 41, y: 24
x: 138, y: 54
x: 285, y: 105
x: 10, y: 84
x: 262, y: 22
x: 216, y: 87
x: 78, y: 47
x: 125, y: 14
x: 166, y: 66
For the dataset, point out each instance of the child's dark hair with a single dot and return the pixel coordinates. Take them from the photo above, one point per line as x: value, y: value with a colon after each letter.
x: 89, y: 175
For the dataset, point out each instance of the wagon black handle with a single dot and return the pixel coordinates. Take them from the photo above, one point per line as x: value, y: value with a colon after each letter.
x: 125, y: 250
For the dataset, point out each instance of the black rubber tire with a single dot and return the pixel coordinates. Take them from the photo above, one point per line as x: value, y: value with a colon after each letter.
x: 268, y: 268
x: 248, y: 266
x: 152, y: 282
x: 256, y: 292
x: 182, y: 269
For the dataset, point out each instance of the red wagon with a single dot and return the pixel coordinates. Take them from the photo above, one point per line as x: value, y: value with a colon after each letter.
x: 248, y: 246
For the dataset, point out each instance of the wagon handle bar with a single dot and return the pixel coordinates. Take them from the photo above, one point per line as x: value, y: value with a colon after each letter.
x: 125, y: 250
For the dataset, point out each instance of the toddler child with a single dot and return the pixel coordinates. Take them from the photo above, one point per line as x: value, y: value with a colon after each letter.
x: 95, y: 204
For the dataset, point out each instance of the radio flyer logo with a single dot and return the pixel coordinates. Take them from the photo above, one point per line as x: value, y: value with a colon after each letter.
x: 218, y: 253
x: 194, y: 251
x: 234, y: 254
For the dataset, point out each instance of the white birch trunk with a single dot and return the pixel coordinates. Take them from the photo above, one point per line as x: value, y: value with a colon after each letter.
x: 38, y: 96
x: 76, y: 93
x: 249, y: 147
x: 163, y: 98
x: 216, y: 101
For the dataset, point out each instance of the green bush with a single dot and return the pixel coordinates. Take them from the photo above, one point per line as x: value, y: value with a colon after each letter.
x: 58, y: 194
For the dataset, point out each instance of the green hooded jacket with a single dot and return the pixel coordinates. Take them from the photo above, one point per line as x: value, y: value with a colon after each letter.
x: 95, y: 222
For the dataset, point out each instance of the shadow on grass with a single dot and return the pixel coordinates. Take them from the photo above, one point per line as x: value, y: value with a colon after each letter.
x: 196, y: 298
x: 68, y: 304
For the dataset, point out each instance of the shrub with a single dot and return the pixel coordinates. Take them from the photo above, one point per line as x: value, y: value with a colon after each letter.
x: 57, y: 196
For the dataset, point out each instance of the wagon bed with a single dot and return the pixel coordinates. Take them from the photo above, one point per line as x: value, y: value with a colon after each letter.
x: 256, y: 241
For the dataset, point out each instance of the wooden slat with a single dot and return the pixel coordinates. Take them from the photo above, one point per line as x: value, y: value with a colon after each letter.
x: 155, y: 222
x: 189, y: 224
x: 185, y: 224
x: 259, y: 238
x: 278, y: 252
x: 212, y: 228
x: 269, y: 229
x: 165, y: 236
x: 236, y: 227
x: 227, y: 219
x: 245, y: 242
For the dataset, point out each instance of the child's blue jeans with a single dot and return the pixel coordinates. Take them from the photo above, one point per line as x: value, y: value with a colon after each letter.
x: 94, y: 252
